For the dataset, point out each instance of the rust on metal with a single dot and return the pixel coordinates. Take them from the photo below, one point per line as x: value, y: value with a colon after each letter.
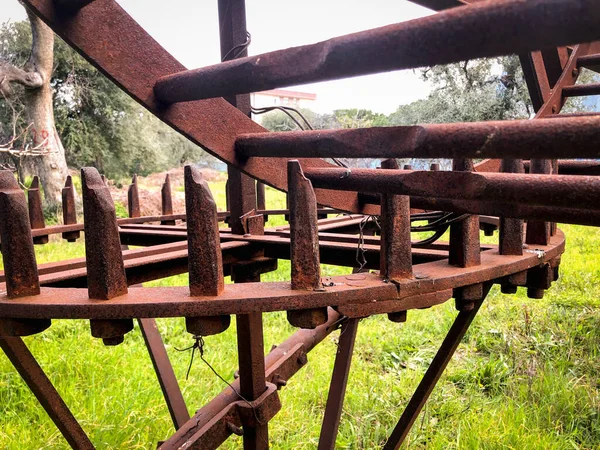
x: 36, y: 212
x: 20, y: 267
x: 166, y: 201
x: 396, y: 254
x: 106, y: 277
x: 69, y: 210
x: 304, y: 245
x: 511, y: 26
x: 204, y: 252
x: 133, y: 198
x: 551, y: 138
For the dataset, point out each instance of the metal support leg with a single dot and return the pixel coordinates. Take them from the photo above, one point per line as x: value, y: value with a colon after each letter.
x: 252, y: 373
x: 434, y: 372
x: 164, y: 372
x: 337, y: 388
x: 29, y: 369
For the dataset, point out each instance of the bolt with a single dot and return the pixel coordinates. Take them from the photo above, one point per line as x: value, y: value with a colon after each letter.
x: 397, y: 317
x: 535, y: 293
x: 238, y: 431
x: 278, y: 381
x: 508, y: 288
x: 302, y: 359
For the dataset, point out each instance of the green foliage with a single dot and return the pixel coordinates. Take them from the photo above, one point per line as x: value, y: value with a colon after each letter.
x: 121, y: 210
x: 99, y: 125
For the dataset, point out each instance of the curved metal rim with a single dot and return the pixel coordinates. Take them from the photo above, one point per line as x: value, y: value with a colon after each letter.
x: 357, y: 290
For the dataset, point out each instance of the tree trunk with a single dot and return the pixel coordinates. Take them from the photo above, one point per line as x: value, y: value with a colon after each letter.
x: 51, y: 167
x: 46, y: 151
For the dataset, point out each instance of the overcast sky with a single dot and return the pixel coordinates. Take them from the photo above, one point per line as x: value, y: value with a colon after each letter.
x: 188, y: 29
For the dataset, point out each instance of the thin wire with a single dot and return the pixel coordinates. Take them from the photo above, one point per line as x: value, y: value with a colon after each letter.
x: 199, y: 345
x: 361, y: 259
x: 243, y: 46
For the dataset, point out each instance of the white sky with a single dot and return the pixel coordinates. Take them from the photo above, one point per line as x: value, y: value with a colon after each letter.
x: 188, y: 29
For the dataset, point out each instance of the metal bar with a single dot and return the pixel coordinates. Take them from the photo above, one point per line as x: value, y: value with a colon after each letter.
x: 282, y: 363
x: 511, y: 230
x: 581, y: 90
x: 106, y: 278
x: 395, y: 255
x: 535, y: 78
x: 556, y: 191
x: 69, y: 210
x: 31, y: 372
x: 164, y: 372
x: 166, y: 201
x: 538, y: 232
x: 36, y: 212
x: 203, y: 236
x: 252, y: 373
x: 510, y: 26
x: 304, y: 245
x: 434, y: 372
x: 464, y: 235
x: 204, y: 253
x: 525, y: 139
x: 337, y: 387
x: 133, y: 198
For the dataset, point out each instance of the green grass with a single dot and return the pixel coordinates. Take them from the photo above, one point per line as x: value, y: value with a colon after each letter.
x: 525, y: 377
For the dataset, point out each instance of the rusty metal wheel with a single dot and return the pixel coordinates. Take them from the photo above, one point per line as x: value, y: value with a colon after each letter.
x: 407, y: 276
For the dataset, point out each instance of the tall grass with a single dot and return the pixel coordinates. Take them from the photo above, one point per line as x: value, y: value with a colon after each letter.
x: 525, y: 377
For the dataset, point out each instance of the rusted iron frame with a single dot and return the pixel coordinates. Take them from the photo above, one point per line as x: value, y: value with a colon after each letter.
x: 35, y: 378
x: 211, y: 124
x: 277, y: 296
x: 509, y: 27
x: 143, y: 268
x: 337, y: 387
x: 242, y: 200
x: 281, y: 364
x: 524, y: 139
x: 164, y: 372
x: 434, y: 372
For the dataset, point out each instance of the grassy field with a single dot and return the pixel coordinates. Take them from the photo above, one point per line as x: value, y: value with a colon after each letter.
x: 527, y: 375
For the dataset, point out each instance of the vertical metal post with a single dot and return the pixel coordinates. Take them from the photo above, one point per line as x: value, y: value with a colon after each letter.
x: 103, y: 256
x: 465, y: 248
x: 133, y: 198
x: 166, y: 201
x: 69, y: 210
x: 36, y: 212
x: 232, y: 33
x: 396, y: 253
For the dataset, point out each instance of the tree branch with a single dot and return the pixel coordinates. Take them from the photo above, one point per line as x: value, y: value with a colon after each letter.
x: 12, y: 74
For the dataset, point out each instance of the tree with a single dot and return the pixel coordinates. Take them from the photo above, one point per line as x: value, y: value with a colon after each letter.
x: 99, y: 124
x: 39, y: 139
